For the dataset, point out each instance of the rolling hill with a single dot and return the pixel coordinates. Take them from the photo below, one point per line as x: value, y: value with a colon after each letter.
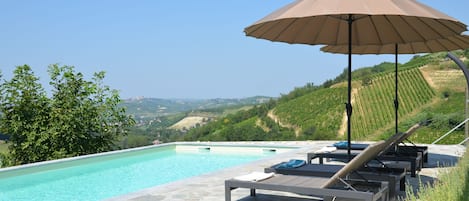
x: 374, y: 103
x: 431, y: 90
x: 145, y: 110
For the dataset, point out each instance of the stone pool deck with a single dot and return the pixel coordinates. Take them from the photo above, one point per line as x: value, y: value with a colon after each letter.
x: 210, y: 187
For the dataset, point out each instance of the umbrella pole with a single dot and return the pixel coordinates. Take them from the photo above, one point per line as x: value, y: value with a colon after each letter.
x: 396, y: 100
x: 349, y: 100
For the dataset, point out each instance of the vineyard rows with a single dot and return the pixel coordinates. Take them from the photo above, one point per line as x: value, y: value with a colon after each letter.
x: 322, y: 110
x: 374, y: 104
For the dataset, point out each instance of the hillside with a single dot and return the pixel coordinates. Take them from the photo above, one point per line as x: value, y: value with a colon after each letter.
x: 431, y: 90
x: 166, y: 120
x: 189, y: 122
x: 148, y: 109
x: 317, y: 112
x: 374, y: 103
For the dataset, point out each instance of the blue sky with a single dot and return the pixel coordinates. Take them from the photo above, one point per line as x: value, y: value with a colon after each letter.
x: 170, y: 49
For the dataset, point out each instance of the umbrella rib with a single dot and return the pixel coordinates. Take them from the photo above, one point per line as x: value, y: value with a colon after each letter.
x: 449, y: 28
x: 440, y: 36
x: 442, y: 44
x: 448, y: 48
x: 375, y: 30
x: 257, y: 28
x: 339, y: 17
x: 346, y: 19
x: 409, y: 25
x: 303, y: 28
x: 337, y: 40
x: 458, y: 43
x: 262, y: 25
x: 461, y: 43
x: 268, y: 30
x: 285, y: 28
x: 430, y: 47
x: 352, y: 18
x: 433, y: 29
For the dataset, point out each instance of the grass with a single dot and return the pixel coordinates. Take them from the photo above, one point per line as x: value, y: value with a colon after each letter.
x: 445, y: 114
x: 3, y: 147
x: 452, y: 185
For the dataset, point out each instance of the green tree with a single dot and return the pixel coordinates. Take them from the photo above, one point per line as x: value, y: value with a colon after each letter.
x: 366, y: 80
x: 25, y: 117
x: 85, y: 116
x: 81, y: 117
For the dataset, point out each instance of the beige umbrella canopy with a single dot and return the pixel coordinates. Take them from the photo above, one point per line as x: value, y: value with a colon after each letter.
x: 439, y: 45
x: 354, y: 22
x: 374, y: 22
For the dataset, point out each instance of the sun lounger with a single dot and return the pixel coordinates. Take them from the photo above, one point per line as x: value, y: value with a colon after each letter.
x: 394, y: 176
x: 414, y: 161
x: 326, y: 187
x: 401, y: 147
x: 401, y: 160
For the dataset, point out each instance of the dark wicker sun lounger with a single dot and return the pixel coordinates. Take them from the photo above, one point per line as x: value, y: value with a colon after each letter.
x: 325, y: 187
x: 401, y: 148
x: 394, y: 176
x: 415, y: 160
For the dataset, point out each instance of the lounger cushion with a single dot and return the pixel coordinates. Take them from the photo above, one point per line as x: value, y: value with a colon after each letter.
x: 254, y: 176
x: 293, y: 163
x: 344, y: 145
x: 341, y: 144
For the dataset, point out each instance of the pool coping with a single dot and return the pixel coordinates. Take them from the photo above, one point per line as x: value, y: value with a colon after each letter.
x: 64, y: 162
x: 210, y: 186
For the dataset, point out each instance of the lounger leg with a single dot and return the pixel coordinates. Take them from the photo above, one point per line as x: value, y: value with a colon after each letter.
x: 402, y: 184
x: 227, y: 193
x: 413, y: 168
x: 253, y: 192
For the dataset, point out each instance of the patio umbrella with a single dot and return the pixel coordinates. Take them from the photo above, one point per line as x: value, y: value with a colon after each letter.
x: 354, y: 22
x: 439, y: 45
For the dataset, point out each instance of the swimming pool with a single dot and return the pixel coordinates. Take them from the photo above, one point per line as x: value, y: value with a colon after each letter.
x: 107, y: 175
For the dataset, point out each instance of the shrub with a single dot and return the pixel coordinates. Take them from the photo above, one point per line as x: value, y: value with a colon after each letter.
x: 451, y: 186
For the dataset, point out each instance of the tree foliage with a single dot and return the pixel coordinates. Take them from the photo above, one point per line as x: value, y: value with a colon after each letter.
x: 298, y: 92
x: 25, y: 116
x: 81, y: 117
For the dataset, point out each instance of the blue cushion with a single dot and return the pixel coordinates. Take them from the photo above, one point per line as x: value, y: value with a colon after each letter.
x: 353, y: 146
x: 293, y: 163
x: 341, y: 144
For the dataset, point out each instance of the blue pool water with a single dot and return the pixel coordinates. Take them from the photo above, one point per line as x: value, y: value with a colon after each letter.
x: 101, y: 178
